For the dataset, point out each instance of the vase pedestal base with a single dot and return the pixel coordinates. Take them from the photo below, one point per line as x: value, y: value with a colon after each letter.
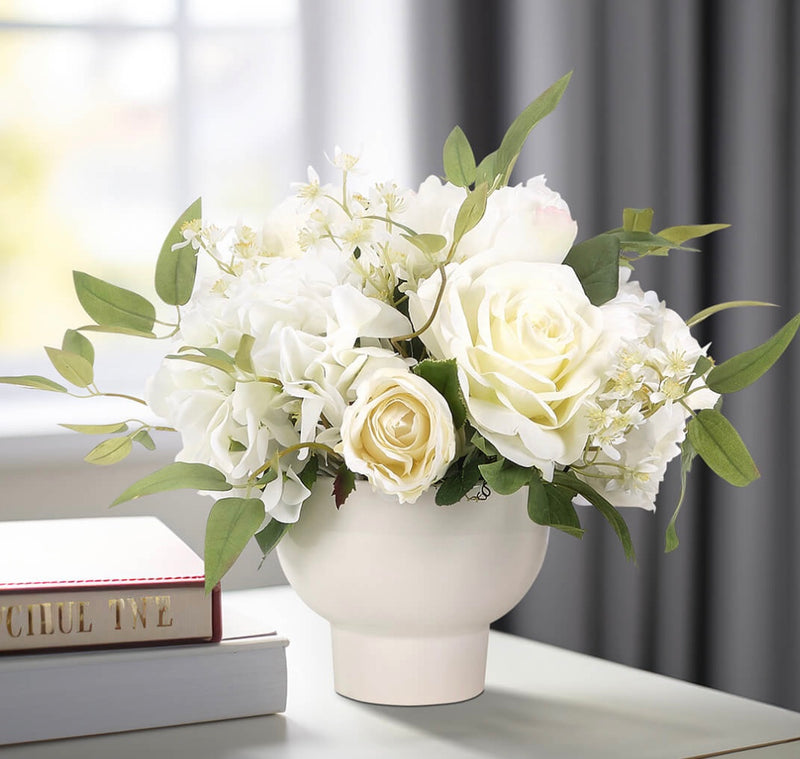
x: 409, y: 670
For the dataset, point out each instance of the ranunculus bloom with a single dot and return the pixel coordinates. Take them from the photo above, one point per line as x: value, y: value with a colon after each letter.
x: 398, y: 433
x: 528, y: 344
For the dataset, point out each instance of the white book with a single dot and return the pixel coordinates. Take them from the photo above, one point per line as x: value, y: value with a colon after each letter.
x: 74, y: 693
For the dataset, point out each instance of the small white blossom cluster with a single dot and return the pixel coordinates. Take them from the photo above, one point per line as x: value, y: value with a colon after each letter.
x: 637, y: 418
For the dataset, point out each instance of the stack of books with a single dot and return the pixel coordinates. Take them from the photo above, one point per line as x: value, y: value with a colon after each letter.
x: 105, y: 626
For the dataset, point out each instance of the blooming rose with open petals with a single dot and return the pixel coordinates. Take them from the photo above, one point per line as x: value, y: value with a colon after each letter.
x: 529, y: 349
x: 398, y: 433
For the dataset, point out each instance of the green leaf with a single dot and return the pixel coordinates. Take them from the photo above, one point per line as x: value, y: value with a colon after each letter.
x: 681, y: 234
x: 309, y: 474
x: 72, y: 367
x: 75, y: 342
x: 483, y: 445
x: 112, y: 306
x: 688, y: 454
x: 176, y: 269
x: 117, y: 331
x: 145, y: 440
x: 462, y: 476
x: 706, y: 312
x: 343, y: 484
x: 443, y: 375
x: 569, y: 481
x: 552, y: 506
x: 109, y: 451
x: 487, y: 172
x: 637, y: 219
x: 719, y: 445
x: 596, y: 263
x: 518, y: 132
x: 429, y: 244
x: 505, y: 477
x: 270, y: 536
x: 470, y: 212
x: 701, y: 366
x: 216, y: 363
x: 34, y: 381
x: 234, y: 446
x: 646, y: 243
x: 242, y: 358
x: 97, y: 429
x: 458, y: 159
x: 231, y: 524
x: 176, y: 476
x: 742, y: 370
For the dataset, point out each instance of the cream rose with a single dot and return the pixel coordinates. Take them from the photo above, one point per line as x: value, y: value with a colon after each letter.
x: 398, y: 433
x: 529, y: 349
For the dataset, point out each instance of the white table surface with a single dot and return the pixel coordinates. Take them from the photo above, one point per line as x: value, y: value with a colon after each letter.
x: 540, y: 702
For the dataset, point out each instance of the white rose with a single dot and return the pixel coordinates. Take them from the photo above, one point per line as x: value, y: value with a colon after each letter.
x: 398, y: 433
x: 528, y: 346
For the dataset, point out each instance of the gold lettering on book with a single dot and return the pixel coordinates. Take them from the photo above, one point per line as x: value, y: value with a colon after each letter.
x: 163, y: 605
x: 83, y: 616
x: 60, y: 613
x: 137, y: 613
x: 117, y: 604
x: 45, y: 618
x: 8, y: 614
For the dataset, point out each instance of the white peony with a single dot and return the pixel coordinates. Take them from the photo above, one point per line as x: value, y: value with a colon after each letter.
x: 398, y: 433
x: 527, y: 222
x: 529, y: 349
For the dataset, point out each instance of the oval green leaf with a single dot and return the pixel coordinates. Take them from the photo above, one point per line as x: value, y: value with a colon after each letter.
x: 145, y: 440
x: 552, y: 506
x: 113, y: 306
x: 110, y: 451
x: 742, y: 370
x: 505, y: 477
x: 470, y: 212
x: 96, y: 429
x: 34, y: 381
x: 270, y: 536
x: 72, y: 367
x: 176, y: 476
x: 176, y: 269
x: 117, y: 331
x: 231, y: 524
x: 458, y: 159
x: 716, y: 441
x: 75, y: 342
x: 596, y: 263
x: 242, y: 359
x: 443, y: 375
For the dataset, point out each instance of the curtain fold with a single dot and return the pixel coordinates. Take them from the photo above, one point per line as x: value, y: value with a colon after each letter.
x: 689, y: 106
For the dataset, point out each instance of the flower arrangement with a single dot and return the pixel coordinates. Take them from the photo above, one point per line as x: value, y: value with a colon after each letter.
x: 452, y: 337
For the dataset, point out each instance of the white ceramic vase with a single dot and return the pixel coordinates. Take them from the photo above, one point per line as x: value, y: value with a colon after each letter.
x: 411, y: 589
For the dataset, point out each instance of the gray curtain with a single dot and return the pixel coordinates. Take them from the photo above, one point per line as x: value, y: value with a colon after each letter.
x: 691, y: 107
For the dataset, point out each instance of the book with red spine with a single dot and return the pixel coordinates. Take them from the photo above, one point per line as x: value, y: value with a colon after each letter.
x: 101, y: 582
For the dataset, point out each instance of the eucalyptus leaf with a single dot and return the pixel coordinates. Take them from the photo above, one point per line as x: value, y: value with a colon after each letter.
x: 505, y: 477
x: 242, y: 358
x: 71, y: 366
x: 706, y: 312
x: 144, y: 439
x: 75, y: 342
x: 268, y: 537
x: 109, y: 451
x: 719, y: 445
x: 681, y: 234
x: 742, y: 370
x: 637, y: 219
x: 518, y: 132
x: 176, y: 476
x: 487, y: 172
x: 570, y: 482
x: 97, y: 429
x: 458, y: 159
x: 35, y: 382
x: 470, y: 212
x: 231, y: 523
x: 429, y: 244
x: 117, y: 331
x: 216, y: 363
x: 443, y: 375
x: 596, y: 263
x: 112, y: 306
x: 176, y: 269
x: 688, y: 454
